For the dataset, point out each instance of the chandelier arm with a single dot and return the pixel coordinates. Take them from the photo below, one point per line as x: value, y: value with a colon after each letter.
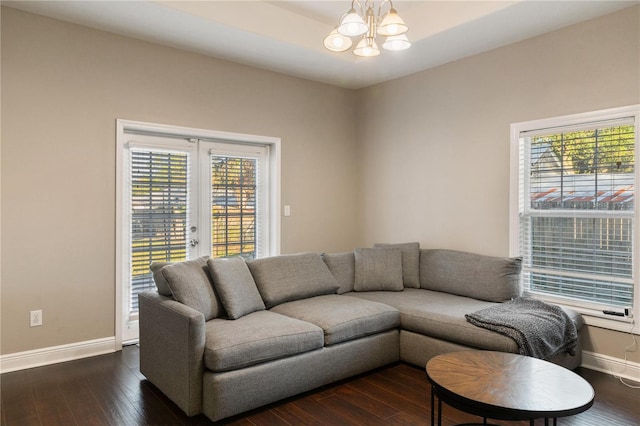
x: 357, y: 2
x: 382, y: 3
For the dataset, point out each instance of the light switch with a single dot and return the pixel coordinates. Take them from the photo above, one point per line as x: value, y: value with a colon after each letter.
x: 287, y: 210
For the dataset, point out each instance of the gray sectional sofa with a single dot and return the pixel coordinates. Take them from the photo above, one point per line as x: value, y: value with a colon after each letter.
x: 223, y: 336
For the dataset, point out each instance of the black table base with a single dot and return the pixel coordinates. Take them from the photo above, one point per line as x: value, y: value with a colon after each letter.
x: 470, y: 410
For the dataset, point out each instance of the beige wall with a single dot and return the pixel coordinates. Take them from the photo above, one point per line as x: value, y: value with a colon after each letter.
x: 433, y: 147
x: 409, y: 170
x: 63, y: 87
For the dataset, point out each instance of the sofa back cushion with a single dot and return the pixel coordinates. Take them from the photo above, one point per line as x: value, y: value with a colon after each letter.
x: 235, y: 286
x: 494, y: 279
x: 191, y: 284
x: 378, y: 269
x: 342, y: 266
x: 291, y: 277
x: 410, y: 262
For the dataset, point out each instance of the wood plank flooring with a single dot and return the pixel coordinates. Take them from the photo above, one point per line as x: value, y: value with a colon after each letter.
x: 110, y: 390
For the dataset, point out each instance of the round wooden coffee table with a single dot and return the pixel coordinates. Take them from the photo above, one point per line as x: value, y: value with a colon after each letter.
x: 504, y: 386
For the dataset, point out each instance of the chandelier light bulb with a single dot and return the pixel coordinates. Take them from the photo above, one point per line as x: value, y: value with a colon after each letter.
x: 392, y: 24
x: 352, y: 25
x: 398, y: 42
x: 336, y: 42
x: 367, y: 47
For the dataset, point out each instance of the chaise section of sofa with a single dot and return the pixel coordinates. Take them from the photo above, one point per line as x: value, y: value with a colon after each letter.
x: 452, y: 285
x: 442, y: 316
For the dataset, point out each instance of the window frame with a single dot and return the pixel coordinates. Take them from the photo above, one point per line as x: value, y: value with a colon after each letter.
x: 591, y: 315
x: 124, y: 130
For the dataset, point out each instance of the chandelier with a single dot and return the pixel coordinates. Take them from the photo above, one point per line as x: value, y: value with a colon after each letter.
x: 363, y: 22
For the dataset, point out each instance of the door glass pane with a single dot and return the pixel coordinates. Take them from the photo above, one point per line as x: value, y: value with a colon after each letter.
x: 159, y: 214
x: 234, y: 206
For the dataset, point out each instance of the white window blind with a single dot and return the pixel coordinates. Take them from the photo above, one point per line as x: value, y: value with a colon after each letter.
x: 577, y: 209
x: 235, y: 206
x: 159, y: 197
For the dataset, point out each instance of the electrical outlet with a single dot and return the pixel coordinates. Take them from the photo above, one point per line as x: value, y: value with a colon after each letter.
x: 35, y: 318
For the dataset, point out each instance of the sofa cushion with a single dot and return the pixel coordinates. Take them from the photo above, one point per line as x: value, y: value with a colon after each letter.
x: 342, y: 266
x: 342, y: 318
x: 255, y: 338
x: 191, y: 285
x: 235, y: 286
x: 410, y: 262
x: 291, y: 277
x: 495, y: 279
x: 441, y: 315
x: 378, y: 269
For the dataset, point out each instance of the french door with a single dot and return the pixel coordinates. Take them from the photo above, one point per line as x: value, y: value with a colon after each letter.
x: 183, y: 198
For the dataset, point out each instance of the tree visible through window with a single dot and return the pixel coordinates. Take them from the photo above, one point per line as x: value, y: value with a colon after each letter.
x: 233, y: 206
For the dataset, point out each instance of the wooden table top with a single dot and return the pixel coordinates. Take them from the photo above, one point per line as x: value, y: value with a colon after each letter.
x: 508, y: 382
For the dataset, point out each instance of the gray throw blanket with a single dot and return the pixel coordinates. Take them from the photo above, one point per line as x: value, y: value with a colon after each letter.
x: 541, y: 330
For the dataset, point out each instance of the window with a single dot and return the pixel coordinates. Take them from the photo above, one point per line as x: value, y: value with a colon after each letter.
x: 574, y: 217
x: 186, y: 193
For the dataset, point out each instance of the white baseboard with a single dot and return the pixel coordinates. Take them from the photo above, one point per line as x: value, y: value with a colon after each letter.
x: 55, y: 354
x: 610, y: 365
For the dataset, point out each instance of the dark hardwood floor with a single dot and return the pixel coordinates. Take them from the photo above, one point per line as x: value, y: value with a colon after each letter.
x: 110, y: 390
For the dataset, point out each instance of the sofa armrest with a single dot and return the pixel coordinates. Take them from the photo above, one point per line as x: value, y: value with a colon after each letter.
x: 172, y: 339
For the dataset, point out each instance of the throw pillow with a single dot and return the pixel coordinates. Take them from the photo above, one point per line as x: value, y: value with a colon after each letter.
x: 235, y: 286
x: 410, y: 262
x: 378, y: 269
x: 291, y: 277
x: 191, y: 285
x: 342, y: 266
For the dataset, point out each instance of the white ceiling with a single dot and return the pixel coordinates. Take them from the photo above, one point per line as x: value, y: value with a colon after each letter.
x: 286, y: 36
